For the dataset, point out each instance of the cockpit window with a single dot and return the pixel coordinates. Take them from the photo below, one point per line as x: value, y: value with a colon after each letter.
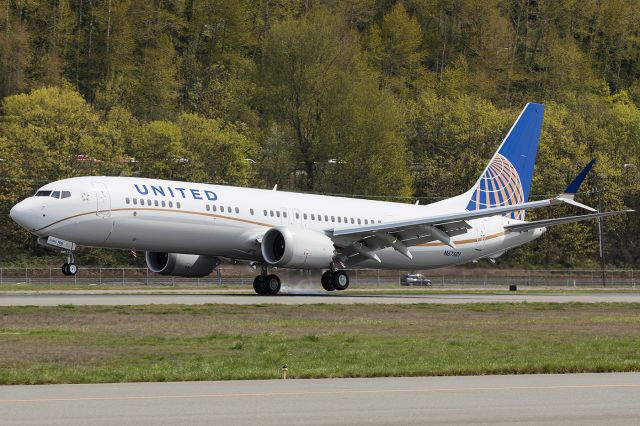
x: 66, y: 194
x: 55, y: 194
x: 43, y: 193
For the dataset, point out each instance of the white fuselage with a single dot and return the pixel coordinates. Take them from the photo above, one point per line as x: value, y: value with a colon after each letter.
x: 224, y: 221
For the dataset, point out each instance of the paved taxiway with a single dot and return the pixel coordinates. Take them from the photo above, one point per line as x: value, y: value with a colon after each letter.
x: 580, y: 399
x: 198, y: 298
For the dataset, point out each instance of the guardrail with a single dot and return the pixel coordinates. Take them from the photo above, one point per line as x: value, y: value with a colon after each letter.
x: 238, y: 276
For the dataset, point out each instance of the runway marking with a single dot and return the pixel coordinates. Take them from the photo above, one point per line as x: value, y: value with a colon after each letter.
x: 311, y: 393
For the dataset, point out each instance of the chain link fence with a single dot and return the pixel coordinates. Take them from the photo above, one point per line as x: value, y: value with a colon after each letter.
x: 243, y: 276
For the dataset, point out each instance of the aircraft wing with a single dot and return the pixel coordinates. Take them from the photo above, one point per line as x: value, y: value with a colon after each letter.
x: 361, y: 242
x: 526, y: 226
x: 364, y: 241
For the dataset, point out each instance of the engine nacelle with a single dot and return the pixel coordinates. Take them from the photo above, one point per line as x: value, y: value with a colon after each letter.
x: 297, y: 248
x: 178, y: 264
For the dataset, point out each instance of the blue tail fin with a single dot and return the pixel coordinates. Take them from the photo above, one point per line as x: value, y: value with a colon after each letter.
x: 507, y: 178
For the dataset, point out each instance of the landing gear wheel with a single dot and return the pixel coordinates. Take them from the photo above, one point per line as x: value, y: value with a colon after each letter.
x: 327, y: 281
x: 65, y: 269
x: 259, y: 285
x: 340, y: 280
x: 72, y: 268
x: 272, y: 284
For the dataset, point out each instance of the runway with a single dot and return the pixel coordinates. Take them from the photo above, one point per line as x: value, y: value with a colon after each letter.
x: 579, y: 399
x: 235, y: 298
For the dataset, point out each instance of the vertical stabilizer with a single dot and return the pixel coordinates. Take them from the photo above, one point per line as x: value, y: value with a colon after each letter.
x: 507, y: 178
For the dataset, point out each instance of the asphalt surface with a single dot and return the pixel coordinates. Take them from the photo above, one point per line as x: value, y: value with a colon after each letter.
x: 572, y: 399
x: 311, y: 297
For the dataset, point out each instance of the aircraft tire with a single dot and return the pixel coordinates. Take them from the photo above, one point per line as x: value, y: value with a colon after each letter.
x: 340, y: 280
x: 327, y: 282
x: 72, y: 268
x: 259, y: 285
x: 65, y: 268
x: 272, y: 284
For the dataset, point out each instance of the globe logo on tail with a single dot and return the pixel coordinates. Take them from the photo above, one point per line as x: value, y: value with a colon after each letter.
x: 499, y: 186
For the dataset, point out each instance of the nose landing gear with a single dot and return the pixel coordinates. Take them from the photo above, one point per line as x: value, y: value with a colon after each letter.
x: 69, y: 268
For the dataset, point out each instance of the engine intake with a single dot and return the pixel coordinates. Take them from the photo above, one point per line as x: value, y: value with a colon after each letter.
x: 179, y: 264
x: 297, y: 248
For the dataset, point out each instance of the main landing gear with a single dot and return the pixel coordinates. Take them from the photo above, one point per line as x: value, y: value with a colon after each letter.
x: 335, y: 280
x: 266, y: 283
x: 69, y: 268
x: 269, y: 284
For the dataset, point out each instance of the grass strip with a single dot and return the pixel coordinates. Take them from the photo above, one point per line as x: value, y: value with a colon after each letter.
x: 91, y: 344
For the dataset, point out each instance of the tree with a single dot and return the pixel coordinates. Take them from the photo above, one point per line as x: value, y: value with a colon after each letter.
x: 14, y: 53
x: 159, y: 151
x: 216, y: 151
x: 397, y: 48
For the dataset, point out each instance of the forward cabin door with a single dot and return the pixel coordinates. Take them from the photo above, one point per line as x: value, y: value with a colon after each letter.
x: 103, y: 207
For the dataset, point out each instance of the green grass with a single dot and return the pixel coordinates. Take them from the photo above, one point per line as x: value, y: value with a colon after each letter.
x: 84, y: 344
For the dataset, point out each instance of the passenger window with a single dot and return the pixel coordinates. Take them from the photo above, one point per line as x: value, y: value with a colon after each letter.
x: 214, y: 208
x: 228, y: 209
x: 135, y: 201
x: 366, y: 222
x: 221, y: 209
x: 163, y: 204
x: 313, y: 217
x: 142, y: 201
x: 319, y: 218
x: 297, y: 215
x: 237, y: 210
x: 55, y: 194
x: 178, y: 204
x: 346, y: 220
x: 251, y: 211
x: 339, y: 221
x: 171, y: 204
x: 278, y: 213
x: 155, y: 203
x: 207, y: 207
x: 284, y: 214
x: 333, y: 218
x: 304, y: 216
x: 265, y: 212
x: 127, y: 200
x: 326, y: 218
x: 352, y: 220
x: 271, y: 213
x: 66, y: 194
x: 149, y: 202
x: 359, y: 222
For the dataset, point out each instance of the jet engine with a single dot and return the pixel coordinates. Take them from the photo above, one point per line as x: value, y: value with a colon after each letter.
x: 297, y: 248
x: 182, y: 265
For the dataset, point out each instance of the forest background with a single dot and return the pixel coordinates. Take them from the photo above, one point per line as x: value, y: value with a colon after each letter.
x: 374, y: 98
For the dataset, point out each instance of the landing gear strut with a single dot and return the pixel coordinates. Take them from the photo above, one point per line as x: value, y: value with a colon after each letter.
x: 69, y: 268
x: 335, y: 280
x: 266, y: 283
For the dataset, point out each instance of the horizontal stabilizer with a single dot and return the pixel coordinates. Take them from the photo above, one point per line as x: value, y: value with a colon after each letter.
x: 526, y: 226
x: 570, y: 200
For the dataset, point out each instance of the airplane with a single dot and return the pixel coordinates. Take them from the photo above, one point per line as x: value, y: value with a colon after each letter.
x: 187, y: 229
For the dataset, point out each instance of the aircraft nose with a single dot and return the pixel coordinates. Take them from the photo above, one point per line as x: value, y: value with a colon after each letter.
x: 19, y: 213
